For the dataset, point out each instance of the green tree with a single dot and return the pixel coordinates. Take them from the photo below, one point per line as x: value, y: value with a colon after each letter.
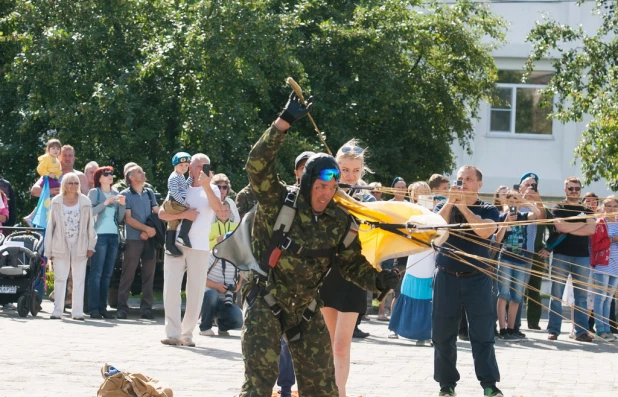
x: 134, y: 80
x: 585, y: 80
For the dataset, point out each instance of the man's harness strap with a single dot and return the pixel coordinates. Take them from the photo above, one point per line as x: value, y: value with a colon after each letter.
x: 281, y: 242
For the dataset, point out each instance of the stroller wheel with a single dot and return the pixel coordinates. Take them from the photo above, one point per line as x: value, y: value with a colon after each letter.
x: 22, y: 306
x: 35, y: 304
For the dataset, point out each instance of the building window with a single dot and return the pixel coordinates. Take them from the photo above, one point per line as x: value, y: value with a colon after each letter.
x: 519, y: 110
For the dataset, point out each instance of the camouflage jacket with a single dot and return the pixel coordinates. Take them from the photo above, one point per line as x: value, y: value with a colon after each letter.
x: 295, y: 281
x: 245, y: 200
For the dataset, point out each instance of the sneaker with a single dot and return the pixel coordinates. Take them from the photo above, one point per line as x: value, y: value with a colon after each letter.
x: 223, y: 333
x: 207, y: 332
x: 583, y: 338
x: 383, y: 317
x: 552, y: 336
x: 424, y: 342
x: 519, y: 334
x: 572, y: 335
x: 393, y: 335
x: 610, y: 338
x: 359, y: 334
x: 510, y: 336
x: 188, y: 342
x: 78, y: 318
x: 121, y: 315
x: 447, y: 391
x: 170, y: 342
x: 492, y: 392
x: 147, y: 315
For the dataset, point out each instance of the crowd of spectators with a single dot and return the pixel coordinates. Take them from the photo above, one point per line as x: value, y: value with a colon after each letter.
x: 92, y: 219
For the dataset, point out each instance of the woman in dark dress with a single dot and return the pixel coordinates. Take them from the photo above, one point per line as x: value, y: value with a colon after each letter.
x: 343, y: 301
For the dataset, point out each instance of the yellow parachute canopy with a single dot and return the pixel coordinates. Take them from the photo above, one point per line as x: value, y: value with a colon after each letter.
x: 379, y: 244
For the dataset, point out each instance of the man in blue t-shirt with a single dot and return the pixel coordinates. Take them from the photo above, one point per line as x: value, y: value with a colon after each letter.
x: 462, y: 280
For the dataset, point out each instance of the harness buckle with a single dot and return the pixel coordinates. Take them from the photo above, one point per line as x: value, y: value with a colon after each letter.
x: 286, y: 243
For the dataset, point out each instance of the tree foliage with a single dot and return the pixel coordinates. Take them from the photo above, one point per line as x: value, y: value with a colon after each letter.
x: 585, y: 81
x: 138, y: 80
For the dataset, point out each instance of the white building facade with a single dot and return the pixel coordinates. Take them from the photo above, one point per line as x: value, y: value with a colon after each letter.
x: 515, y: 137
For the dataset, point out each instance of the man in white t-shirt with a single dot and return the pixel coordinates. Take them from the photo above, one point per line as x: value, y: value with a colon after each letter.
x: 204, y: 201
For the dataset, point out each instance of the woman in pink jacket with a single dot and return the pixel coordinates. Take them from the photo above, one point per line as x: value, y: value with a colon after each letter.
x: 70, y: 239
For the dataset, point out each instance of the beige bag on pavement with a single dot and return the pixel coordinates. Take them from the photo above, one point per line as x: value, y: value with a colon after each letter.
x: 127, y: 384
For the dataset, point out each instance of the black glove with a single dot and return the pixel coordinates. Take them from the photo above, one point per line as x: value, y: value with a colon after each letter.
x: 387, y: 280
x: 294, y: 110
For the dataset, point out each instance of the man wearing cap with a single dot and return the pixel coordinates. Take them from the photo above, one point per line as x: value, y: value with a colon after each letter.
x: 528, y: 187
x: 284, y: 301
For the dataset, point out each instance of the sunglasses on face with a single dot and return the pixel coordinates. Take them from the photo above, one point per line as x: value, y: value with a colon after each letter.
x: 72, y: 183
x: 355, y: 149
x: 107, y: 173
x: 329, y: 174
x: 222, y: 187
x: 574, y: 189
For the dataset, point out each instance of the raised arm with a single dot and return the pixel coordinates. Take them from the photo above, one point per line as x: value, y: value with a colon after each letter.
x: 262, y: 158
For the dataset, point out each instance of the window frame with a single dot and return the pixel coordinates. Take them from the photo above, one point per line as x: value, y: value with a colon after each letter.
x: 512, y: 134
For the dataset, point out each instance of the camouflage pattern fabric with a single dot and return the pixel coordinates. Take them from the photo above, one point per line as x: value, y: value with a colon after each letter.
x: 261, y: 345
x: 295, y: 281
x: 245, y: 200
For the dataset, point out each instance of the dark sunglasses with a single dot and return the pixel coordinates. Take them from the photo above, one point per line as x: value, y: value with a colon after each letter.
x: 355, y: 149
x: 222, y: 187
x: 72, y: 183
x: 574, y: 189
x: 329, y: 174
x: 107, y: 173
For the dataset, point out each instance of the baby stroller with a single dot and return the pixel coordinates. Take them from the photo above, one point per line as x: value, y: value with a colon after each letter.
x: 20, y: 268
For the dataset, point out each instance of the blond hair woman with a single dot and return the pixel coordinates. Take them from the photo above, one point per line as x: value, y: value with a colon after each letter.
x: 70, y: 239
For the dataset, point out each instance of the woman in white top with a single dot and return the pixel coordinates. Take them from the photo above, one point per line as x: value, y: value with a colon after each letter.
x: 70, y: 239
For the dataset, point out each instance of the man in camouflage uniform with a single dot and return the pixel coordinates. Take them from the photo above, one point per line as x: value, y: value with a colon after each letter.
x: 294, y: 282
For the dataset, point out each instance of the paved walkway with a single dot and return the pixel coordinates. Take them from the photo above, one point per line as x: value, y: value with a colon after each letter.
x: 42, y: 357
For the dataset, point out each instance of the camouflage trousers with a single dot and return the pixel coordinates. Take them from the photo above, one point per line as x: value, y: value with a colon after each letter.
x: 261, y: 345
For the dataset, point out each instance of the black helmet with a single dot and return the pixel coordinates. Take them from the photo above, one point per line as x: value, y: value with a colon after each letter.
x: 314, y: 168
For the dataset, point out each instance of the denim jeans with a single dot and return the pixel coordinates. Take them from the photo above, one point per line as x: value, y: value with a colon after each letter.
x: 228, y: 316
x: 474, y: 293
x: 579, y: 268
x: 603, y: 301
x: 286, y: 368
x: 512, y: 279
x: 101, y: 268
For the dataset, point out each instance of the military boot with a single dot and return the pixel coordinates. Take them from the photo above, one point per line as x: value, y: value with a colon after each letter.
x: 170, y: 244
x: 183, y: 235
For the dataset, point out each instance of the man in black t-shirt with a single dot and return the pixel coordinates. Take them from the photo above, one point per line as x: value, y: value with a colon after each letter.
x: 458, y: 283
x: 571, y: 256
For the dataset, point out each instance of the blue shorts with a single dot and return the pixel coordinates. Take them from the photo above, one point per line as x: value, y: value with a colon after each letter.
x: 513, y: 279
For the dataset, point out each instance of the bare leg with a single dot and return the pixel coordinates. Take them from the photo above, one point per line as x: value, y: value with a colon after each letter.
x: 501, y: 308
x: 341, y: 340
x: 512, y: 314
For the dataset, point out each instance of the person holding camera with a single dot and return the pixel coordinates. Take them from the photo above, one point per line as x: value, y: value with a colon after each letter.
x: 515, y: 260
x: 463, y: 281
x: 204, y: 202
x: 108, y: 208
x: 221, y: 284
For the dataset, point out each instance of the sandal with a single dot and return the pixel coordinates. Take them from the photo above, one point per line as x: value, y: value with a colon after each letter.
x: 393, y: 335
x: 383, y: 317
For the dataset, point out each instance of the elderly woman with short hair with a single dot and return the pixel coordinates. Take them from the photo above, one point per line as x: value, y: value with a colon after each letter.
x: 70, y: 240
